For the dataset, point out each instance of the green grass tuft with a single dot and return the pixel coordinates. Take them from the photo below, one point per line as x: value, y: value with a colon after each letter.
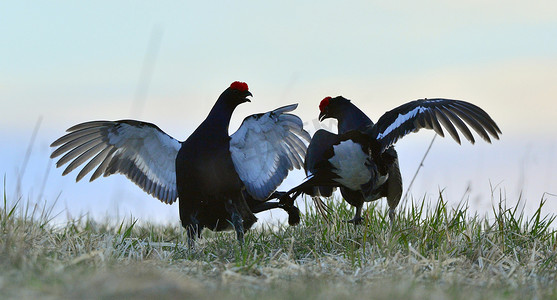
x: 433, y: 250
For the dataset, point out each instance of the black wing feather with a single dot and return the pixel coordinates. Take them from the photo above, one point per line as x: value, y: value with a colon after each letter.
x: 434, y: 114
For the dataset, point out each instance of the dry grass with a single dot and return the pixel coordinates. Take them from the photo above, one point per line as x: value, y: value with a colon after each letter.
x: 432, y: 252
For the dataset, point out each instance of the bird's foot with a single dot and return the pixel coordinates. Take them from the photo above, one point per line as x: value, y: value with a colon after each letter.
x: 287, y: 203
x: 293, y: 215
x: 355, y: 220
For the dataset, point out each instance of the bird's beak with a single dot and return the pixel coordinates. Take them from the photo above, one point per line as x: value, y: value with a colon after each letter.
x: 248, y: 93
x: 323, y: 115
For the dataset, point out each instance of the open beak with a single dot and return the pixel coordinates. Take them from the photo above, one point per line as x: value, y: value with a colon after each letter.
x: 323, y: 115
x: 246, y: 95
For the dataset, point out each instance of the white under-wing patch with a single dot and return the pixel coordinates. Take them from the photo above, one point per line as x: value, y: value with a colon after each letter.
x: 266, y: 147
x: 138, y: 150
x: 400, y: 120
x: 350, y: 162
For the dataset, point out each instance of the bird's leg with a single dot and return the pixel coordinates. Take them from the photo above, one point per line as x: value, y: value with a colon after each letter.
x: 286, y: 202
x: 357, y: 220
x: 392, y: 216
x: 193, y: 233
x: 357, y: 200
x: 393, y: 201
x: 293, y: 211
x: 193, y: 230
x: 394, y: 190
x: 236, y: 219
x: 264, y: 206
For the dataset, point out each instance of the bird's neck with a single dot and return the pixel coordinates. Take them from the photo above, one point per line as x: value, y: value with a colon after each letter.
x: 352, y: 118
x: 219, y: 117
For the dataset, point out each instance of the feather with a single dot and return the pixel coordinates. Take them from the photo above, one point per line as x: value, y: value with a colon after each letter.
x: 265, y: 147
x: 434, y: 114
x: 138, y: 150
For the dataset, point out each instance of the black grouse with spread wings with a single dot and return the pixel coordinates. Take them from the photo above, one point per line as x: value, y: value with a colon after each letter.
x: 221, y: 180
x: 361, y: 158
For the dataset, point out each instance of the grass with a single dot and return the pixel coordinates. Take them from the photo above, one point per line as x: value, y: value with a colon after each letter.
x: 433, y: 251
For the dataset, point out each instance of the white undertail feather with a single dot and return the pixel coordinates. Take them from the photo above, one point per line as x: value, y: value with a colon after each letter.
x: 349, y: 161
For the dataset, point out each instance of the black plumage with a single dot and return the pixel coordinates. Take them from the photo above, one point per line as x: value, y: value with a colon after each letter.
x: 361, y: 158
x: 221, y: 180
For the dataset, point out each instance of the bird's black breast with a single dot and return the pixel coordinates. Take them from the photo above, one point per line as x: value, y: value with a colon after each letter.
x: 205, y: 168
x: 206, y: 179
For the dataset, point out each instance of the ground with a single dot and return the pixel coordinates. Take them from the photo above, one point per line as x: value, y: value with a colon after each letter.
x: 430, y: 252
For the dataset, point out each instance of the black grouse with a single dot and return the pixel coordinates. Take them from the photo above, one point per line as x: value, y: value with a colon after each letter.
x: 361, y: 158
x: 221, y: 180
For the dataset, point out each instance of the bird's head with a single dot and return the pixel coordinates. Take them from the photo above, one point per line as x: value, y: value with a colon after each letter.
x: 237, y: 93
x: 332, y: 107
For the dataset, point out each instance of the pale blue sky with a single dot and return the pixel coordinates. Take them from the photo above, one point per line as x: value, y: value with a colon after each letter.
x: 71, y: 62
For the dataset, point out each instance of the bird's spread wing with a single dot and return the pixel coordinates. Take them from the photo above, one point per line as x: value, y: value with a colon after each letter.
x: 139, y: 150
x: 431, y: 114
x: 266, y: 147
